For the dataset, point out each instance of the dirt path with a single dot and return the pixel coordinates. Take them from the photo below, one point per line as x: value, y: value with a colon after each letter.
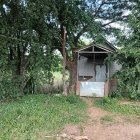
x: 97, y: 128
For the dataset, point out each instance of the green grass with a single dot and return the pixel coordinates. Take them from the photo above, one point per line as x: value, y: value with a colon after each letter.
x: 107, y: 118
x: 35, y: 115
x: 112, y: 105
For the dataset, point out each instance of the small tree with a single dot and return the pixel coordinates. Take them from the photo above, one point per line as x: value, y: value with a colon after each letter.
x: 129, y: 57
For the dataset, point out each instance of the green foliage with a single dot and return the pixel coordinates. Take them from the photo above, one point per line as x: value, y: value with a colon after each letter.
x: 73, y: 99
x: 25, y: 44
x: 35, y: 116
x: 106, y: 100
x: 8, y: 87
x: 129, y: 58
x: 31, y: 31
x: 113, y: 105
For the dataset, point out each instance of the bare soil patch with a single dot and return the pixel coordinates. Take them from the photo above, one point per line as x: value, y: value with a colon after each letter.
x: 121, y: 128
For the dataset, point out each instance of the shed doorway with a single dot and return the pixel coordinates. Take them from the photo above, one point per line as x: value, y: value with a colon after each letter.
x: 100, y: 73
x: 92, y: 71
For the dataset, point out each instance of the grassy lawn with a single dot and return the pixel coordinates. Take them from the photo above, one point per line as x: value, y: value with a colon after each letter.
x: 112, y: 105
x: 33, y: 116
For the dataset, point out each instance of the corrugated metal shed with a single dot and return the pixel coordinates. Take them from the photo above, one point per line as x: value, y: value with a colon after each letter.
x: 92, y: 73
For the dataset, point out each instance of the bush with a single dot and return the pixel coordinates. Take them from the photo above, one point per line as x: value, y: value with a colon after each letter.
x: 8, y: 88
x: 113, y: 105
x: 106, y: 100
x: 72, y: 99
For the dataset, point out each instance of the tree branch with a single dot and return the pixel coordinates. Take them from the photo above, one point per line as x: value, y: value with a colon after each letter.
x: 114, y: 20
x: 108, y: 23
x: 76, y: 38
x: 98, y: 10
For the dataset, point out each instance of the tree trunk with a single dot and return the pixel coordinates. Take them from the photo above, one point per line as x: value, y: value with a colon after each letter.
x: 63, y: 51
x: 72, y: 68
x: 73, y: 78
x: 19, y: 69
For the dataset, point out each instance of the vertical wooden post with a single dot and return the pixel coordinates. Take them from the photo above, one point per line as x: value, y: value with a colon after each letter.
x: 107, y: 83
x: 78, y: 67
x: 108, y: 79
x: 94, y: 67
x: 64, y: 62
x: 94, y: 64
x: 77, y: 81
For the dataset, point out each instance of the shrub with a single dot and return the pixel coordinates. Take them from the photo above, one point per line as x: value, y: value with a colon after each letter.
x: 72, y: 99
x: 8, y: 88
x: 107, y: 100
x: 113, y: 105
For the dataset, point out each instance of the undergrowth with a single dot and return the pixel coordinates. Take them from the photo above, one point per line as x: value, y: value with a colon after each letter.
x: 107, y: 118
x: 35, y: 115
x: 113, y: 105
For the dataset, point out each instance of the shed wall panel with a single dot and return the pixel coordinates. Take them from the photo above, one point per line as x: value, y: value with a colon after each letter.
x: 92, y: 89
x: 86, y: 67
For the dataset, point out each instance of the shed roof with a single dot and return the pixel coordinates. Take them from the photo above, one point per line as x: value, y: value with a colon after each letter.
x: 106, y: 46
